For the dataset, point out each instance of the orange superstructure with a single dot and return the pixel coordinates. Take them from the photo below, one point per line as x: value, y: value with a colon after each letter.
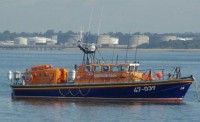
x: 110, y: 73
x: 45, y: 74
x: 92, y: 73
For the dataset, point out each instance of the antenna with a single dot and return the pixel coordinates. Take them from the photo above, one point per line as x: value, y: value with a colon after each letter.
x: 90, y: 20
x: 117, y: 59
x: 136, y: 48
x: 113, y: 53
x: 127, y: 48
x: 88, y: 50
x: 100, y: 22
x: 81, y: 35
x: 98, y: 34
x: 99, y: 26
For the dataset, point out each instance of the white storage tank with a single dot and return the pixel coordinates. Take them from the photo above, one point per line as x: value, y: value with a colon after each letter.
x: 20, y: 41
x: 51, y: 41
x: 168, y: 38
x: 106, y: 39
x: 136, y: 40
x: 36, y: 40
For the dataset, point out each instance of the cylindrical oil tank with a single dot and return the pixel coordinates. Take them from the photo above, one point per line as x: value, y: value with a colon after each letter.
x: 168, y: 38
x: 20, y: 41
x: 136, y: 40
x: 51, y: 41
x: 106, y: 39
x: 36, y: 40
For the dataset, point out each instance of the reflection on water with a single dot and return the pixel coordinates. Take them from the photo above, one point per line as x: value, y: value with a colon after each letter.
x: 95, y: 110
x: 67, y: 102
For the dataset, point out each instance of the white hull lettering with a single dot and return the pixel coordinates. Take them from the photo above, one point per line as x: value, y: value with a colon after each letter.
x: 144, y: 88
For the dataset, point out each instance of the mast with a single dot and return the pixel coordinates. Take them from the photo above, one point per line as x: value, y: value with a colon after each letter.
x: 90, y: 49
x: 89, y: 53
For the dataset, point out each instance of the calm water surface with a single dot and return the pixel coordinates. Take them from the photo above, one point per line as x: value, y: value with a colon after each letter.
x: 36, y: 110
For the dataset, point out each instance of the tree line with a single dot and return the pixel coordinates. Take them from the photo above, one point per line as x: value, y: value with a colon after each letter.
x: 154, y: 41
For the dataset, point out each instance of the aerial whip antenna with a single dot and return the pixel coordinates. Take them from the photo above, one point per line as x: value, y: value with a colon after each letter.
x: 90, y: 21
x: 127, y: 48
x: 113, y: 54
x: 98, y: 31
x: 100, y: 22
x: 136, y: 47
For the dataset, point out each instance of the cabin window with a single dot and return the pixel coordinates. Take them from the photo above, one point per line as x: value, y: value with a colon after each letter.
x: 131, y: 68
x: 87, y: 69
x: 123, y: 68
x: 115, y: 68
x: 136, y: 68
x: 105, y: 68
x: 96, y: 68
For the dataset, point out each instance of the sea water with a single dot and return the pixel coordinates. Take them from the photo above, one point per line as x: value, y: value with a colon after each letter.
x: 41, y: 110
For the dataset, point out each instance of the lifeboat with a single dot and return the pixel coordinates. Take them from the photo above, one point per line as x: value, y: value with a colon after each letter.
x: 95, y: 80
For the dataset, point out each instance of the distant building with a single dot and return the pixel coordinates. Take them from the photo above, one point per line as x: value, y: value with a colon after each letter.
x: 72, y: 40
x: 20, y: 41
x: 185, y: 39
x: 6, y: 42
x: 107, y: 41
x: 136, y: 40
x: 172, y: 38
x: 35, y: 41
x: 52, y: 41
x: 168, y: 38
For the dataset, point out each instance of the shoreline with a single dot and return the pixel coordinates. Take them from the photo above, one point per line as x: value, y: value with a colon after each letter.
x: 155, y: 49
x: 64, y: 48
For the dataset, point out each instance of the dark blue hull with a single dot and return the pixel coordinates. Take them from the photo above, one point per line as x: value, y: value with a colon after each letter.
x: 173, y: 90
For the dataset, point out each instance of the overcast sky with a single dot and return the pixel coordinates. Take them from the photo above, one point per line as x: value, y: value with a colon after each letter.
x: 156, y: 16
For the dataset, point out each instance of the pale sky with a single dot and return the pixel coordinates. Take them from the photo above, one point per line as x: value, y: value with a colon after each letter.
x: 127, y: 16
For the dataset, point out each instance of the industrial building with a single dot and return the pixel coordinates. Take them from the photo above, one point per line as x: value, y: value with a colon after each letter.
x: 72, y: 40
x: 185, y: 39
x: 107, y: 41
x: 6, y: 43
x: 20, y: 41
x: 35, y: 41
x: 136, y: 40
x: 172, y: 38
x: 168, y: 38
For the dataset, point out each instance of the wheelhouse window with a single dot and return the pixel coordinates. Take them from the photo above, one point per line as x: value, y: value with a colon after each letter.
x: 115, y: 68
x: 123, y: 68
x: 132, y: 68
x: 87, y: 68
x: 105, y: 68
x: 136, y: 68
x: 96, y: 69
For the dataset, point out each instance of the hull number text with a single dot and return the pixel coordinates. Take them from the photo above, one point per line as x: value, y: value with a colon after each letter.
x: 144, y: 88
